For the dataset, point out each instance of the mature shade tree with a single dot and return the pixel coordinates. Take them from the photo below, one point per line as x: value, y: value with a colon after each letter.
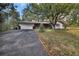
x: 53, y: 11
x: 8, y: 16
x: 2, y: 7
x: 27, y: 15
x: 14, y: 16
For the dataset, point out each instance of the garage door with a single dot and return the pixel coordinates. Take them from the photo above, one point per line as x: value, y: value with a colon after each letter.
x: 26, y: 26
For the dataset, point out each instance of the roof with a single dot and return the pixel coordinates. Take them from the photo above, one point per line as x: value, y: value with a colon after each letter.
x: 36, y: 22
x: 30, y: 22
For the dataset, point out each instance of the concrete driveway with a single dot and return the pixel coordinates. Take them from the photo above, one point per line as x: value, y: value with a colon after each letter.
x: 21, y: 43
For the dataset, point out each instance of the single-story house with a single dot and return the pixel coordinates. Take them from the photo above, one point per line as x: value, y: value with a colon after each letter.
x: 33, y: 25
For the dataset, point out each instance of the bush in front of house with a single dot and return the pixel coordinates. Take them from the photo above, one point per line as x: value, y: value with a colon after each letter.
x: 41, y: 28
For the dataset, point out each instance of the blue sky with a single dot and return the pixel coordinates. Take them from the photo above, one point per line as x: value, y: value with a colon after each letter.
x: 20, y: 7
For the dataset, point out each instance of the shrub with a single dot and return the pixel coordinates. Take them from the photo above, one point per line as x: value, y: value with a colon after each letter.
x: 41, y: 28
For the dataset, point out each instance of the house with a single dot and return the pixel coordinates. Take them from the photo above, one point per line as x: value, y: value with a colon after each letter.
x: 34, y: 25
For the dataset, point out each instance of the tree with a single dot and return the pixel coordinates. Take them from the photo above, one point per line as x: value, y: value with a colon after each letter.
x: 8, y: 14
x: 14, y: 16
x: 3, y: 6
x: 53, y: 11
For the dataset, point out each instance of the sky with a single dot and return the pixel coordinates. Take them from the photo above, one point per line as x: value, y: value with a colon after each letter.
x: 20, y: 7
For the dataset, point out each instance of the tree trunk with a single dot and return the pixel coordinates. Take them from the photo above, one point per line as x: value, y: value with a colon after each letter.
x: 55, y: 21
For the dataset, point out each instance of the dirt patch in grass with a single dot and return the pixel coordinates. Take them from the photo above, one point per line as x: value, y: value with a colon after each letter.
x: 60, y: 42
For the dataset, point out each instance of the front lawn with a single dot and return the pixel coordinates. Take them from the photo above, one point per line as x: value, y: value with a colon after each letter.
x: 61, y: 42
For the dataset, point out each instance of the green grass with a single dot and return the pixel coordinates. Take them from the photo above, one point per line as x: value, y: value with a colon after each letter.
x: 61, y: 42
